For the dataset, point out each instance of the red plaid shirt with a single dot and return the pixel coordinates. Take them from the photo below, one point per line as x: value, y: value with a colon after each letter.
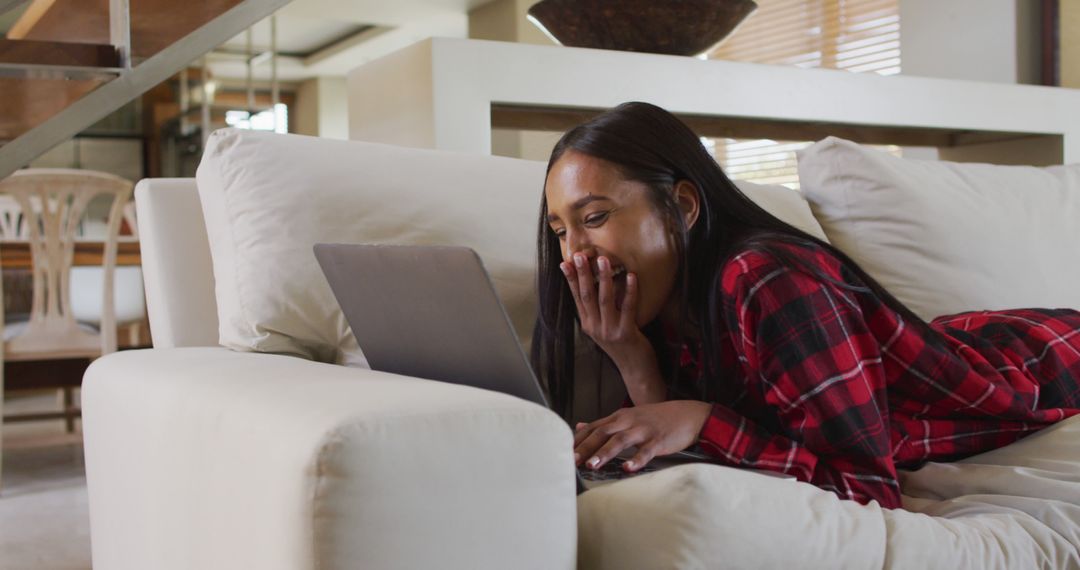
x: 833, y: 387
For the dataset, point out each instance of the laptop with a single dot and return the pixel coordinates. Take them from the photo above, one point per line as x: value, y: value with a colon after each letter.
x: 432, y: 312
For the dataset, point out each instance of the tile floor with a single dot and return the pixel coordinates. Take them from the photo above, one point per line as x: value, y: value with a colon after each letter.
x: 44, y: 521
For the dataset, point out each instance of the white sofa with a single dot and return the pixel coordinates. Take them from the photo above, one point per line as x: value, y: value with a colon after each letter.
x: 237, y: 442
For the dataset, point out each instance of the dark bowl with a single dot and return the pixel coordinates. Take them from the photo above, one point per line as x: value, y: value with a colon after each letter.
x: 675, y: 27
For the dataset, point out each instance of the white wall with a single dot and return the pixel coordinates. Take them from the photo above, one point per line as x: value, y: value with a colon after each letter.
x: 981, y: 40
x: 445, y: 96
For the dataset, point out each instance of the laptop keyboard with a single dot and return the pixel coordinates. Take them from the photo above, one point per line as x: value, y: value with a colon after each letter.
x: 612, y: 470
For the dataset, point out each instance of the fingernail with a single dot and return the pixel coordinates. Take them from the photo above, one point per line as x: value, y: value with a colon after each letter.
x: 594, y: 462
x: 579, y: 260
x: 630, y: 464
x: 603, y: 264
x: 565, y: 268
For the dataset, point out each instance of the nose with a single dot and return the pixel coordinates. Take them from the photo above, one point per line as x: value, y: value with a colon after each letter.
x: 577, y: 241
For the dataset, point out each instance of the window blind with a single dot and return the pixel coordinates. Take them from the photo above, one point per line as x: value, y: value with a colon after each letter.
x: 861, y: 36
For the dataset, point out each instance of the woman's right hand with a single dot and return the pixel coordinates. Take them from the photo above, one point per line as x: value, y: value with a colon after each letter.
x: 613, y: 329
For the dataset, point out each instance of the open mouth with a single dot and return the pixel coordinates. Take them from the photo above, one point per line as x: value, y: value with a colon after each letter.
x: 618, y: 274
x: 618, y: 278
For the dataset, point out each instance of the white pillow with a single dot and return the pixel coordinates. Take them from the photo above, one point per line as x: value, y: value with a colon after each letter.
x: 268, y: 198
x: 948, y: 237
x: 784, y: 203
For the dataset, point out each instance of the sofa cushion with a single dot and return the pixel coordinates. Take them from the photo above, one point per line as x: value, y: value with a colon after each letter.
x: 708, y: 516
x: 948, y: 237
x: 268, y: 198
x: 1013, y: 507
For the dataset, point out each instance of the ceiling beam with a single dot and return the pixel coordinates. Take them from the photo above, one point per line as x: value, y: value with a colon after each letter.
x: 346, y: 43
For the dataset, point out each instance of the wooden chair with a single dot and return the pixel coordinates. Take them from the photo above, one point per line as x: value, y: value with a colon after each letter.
x: 52, y: 203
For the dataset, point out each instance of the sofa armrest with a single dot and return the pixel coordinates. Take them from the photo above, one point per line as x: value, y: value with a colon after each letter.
x: 209, y: 458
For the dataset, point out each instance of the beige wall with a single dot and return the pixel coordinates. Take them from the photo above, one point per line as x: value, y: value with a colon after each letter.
x: 1070, y: 43
x: 1028, y: 42
x: 333, y: 108
x: 304, y: 116
x: 119, y: 156
x: 504, y: 20
x: 321, y: 109
x: 494, y: 21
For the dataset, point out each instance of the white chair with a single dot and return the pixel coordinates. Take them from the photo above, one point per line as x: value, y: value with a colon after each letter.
x: 11, y: 226
x: 52, y: 203
x: 129, y: 304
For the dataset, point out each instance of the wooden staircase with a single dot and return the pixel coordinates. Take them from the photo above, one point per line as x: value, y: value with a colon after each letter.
x: 65, y: 64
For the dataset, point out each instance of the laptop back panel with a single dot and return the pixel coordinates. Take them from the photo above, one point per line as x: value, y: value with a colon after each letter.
x: 429, y: 312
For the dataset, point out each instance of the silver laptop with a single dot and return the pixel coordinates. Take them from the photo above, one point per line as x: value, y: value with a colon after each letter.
x: 429, y: 312
x: 432, y: 312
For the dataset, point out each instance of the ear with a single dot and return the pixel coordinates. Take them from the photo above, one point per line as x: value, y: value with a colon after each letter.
x: 689, y: 201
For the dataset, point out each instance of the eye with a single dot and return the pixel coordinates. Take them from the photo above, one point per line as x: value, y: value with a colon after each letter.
x: 559, y: 233
x: 598, y: 218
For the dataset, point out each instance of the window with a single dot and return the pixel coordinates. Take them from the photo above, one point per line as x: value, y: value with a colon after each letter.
x: 861, y: 36
x: 276, y: 119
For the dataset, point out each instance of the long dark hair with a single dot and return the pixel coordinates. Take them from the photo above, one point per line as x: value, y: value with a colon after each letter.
x: 650, y: 145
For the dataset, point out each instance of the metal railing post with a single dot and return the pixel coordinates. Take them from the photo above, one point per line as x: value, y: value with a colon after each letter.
x: 120, y: 30
x: 133, y: 80
x: 205, y: 102
x: 275, y: 91
x: 250, y: 80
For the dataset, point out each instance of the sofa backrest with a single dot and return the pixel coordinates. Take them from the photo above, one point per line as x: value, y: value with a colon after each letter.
x: 267, y: 198
x: 177, y: 270
x: 947, y: 237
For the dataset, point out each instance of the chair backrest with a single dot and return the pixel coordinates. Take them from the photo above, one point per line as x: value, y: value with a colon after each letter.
x: 11, y: 226
x: 131, y: 219
x: 177, y: 269
x: 52, y: 203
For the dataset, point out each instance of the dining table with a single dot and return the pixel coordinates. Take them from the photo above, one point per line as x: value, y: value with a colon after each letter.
x: 15, y: 254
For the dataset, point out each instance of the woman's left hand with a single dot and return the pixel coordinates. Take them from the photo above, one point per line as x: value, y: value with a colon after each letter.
x: 655, y: 429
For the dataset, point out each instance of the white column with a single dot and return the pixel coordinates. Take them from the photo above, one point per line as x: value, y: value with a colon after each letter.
x: 505, y: 21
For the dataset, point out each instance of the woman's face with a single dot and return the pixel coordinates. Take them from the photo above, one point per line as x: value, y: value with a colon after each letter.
x: 595, y: 212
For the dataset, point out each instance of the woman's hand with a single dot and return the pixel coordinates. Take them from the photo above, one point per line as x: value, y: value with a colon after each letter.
x: 613, y: 329
x: 655, y: 429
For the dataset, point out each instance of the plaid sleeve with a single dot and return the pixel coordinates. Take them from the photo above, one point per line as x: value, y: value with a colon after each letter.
x: 817, y: 370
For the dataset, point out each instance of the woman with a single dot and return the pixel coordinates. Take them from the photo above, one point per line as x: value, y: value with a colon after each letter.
x: 759, y: 343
